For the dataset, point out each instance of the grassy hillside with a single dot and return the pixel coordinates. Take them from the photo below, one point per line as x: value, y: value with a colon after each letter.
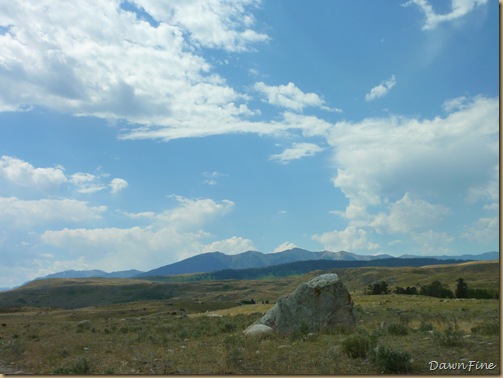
x: 407, y: 331
x: 77, y: 293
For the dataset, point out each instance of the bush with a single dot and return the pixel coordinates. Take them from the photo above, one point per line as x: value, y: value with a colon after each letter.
x: 487, y: 329
x: 82, y: 366
x: 398, y: 329
x: 227, y: 327
x: 356, y: 346
x: 389, y: 361
x: 425, y: 327
x: 84, y: 325
x: 450, y: 337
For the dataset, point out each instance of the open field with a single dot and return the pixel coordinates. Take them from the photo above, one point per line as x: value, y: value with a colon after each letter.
x: 145, y: 337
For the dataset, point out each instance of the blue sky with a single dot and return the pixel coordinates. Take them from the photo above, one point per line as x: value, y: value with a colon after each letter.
x: 134, y: 134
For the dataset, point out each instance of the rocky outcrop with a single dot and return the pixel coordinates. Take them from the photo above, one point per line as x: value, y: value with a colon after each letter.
x: 321, y: 303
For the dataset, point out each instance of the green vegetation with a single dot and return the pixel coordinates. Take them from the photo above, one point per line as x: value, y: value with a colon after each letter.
x: 389, y: 361
x: 356, y: 346
x: 396, y: 334
x: 377, y: 288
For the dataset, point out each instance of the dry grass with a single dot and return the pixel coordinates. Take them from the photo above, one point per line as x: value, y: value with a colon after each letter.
x: 125, y: 339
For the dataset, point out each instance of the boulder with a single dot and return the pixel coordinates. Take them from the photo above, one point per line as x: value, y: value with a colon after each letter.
x: 258, y: 330
x: 321, y: 303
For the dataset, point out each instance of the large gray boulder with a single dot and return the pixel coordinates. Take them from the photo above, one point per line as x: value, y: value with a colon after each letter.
x: 321, y: 303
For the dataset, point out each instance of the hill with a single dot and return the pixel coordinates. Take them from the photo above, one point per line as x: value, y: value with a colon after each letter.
x: 92, y: 273
x: 296, y: 268
x: 84, y: 292
x: 216, y: 261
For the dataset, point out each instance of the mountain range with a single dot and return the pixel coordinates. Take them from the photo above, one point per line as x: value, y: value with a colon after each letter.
x: 216, y: 261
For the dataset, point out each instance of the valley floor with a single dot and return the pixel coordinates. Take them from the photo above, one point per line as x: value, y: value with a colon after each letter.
x: 411, y: 334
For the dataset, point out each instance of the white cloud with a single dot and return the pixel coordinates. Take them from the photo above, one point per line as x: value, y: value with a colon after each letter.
x: 433, y: 243
x: 351, y: 239
x: 117, y: 184
x: 459, y: 8
x: 381, y: 90
x: 485, y: 230
x: 291, y: 97
x: 86, y: 182
x: 284, y: 247
x: 408, y: 214
x: 211, y: 23
x: 21, y: 173
x: 454, y: 104
x: 98, y: 59
x: 169, y: 236
x: 309, y: 125
x: 192, y: 212
x: 403, y: 176
x: 212, y: 177
x: 231, y: 246
x: 297, y: 151
x: 15, y: 212
x: 379, y: 160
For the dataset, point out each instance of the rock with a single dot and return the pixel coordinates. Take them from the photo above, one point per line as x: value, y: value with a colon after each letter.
x: 258, y: 330
x: 321, y: 303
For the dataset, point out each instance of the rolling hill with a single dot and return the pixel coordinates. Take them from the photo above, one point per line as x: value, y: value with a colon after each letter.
x: 217, y: 261
x: 85, y: 292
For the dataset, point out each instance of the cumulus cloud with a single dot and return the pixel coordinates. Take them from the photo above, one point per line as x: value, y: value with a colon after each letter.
x: 19, y: 172
x: 214, y: 23
x: 117, y: 184
x: 382, y: 159
x: 484, y: 230
x: 15, y: 212
x: 381, y: 90
x: 168, y: 236
x: 407, y: 176
x: 297, y: 151
x: 431, y: 242
x: 231, y: 246
x: 408, y: 214
x: 284, y: 247
x: 291, y: 97
x: 351, y: 239
x: 86, y: 182
x: 459, y: 8
x: 99, y: 59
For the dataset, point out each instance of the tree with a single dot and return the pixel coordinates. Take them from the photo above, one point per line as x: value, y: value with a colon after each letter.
x: 461, y: 288
x: 436, y: 289
x: 377, y: 288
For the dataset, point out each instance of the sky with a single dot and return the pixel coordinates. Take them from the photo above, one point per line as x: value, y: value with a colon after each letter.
x: 134, y: 134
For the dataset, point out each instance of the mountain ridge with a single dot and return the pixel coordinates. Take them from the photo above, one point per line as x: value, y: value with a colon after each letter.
x: 215, y: 261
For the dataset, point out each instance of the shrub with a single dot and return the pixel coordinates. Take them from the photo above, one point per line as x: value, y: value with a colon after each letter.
x: 425, y: 327
x: 450, y: 337
x: 84, y: 325
x: 398, y: 329
x: 487, y: 329
x: 389, y: 361
x: 301, y: 331
x: 356, y: 346
x: 227, y: 327
x: 82, y: 366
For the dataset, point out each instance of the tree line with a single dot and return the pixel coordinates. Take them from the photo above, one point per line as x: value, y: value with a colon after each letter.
x: 435, y: 289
